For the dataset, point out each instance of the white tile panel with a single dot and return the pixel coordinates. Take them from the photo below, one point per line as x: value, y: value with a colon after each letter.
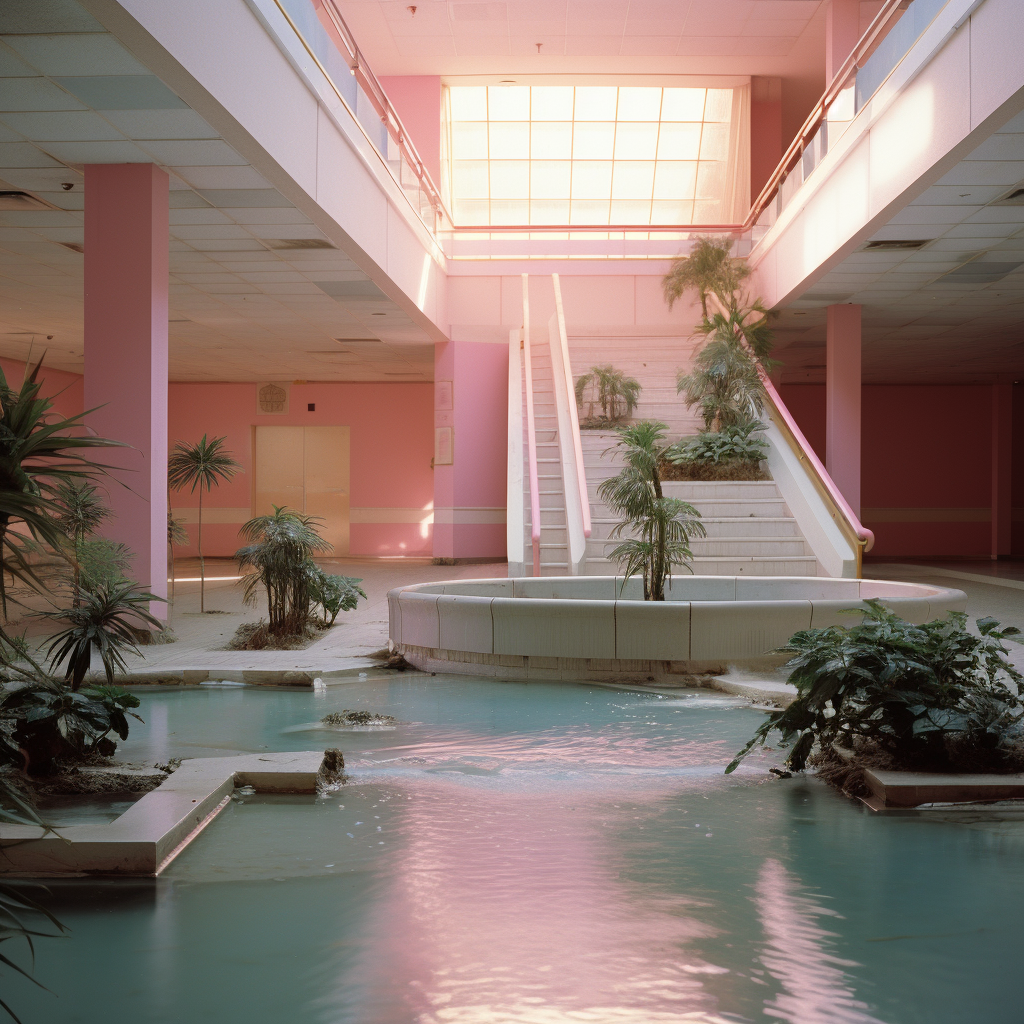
x: 83, y: 53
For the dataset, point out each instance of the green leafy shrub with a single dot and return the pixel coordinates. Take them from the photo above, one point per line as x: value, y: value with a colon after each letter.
x: 612, y: 390
x: 43, y: 722
x: 335, y: 593
x: 931, y: 697
x: 730, y: 444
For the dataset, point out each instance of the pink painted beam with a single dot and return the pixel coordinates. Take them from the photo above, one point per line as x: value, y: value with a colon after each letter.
x: 126, y: 286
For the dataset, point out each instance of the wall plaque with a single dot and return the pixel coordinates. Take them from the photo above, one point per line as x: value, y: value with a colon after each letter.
x: 271, y: 399
x: 444, y: 445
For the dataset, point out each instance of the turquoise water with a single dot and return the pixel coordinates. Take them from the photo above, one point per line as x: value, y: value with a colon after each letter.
x: 535, y: 853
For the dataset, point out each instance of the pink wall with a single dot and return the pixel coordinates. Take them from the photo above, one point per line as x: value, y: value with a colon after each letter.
x: 765, y: 131
x: 926, y: 452
x: 470, y: 493
x: 65, y: 390
x: 417, y: 98
x: 391, y: 448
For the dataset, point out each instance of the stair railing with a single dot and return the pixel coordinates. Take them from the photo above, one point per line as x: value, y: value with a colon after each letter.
x: 859, y: 537
x: 514, y: 514
x: 531, y: 430
x: 574, y: 477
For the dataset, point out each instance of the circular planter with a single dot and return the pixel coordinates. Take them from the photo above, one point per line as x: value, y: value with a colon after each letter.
x: 597, y: 627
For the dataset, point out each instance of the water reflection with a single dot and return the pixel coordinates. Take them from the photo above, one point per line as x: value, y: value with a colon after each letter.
x: 509, y: 909
x: 815, y: 988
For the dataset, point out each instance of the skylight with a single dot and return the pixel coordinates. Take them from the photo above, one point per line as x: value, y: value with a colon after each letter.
x: 596, y: 155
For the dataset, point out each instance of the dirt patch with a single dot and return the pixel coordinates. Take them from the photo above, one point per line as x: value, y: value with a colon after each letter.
x: 256, y: 636
x: 97, y: 775
x: 347, y: 717
x: 737, y: 470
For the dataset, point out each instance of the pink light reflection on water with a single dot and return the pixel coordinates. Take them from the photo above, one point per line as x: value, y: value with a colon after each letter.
x: 814, y: 985
x: 508, y: 909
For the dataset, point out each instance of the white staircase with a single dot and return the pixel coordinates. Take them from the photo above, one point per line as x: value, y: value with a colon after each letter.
x: 750, y: 529
x: 554, y: 552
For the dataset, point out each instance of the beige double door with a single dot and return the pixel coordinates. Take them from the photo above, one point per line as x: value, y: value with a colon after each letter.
x: 307, y: 469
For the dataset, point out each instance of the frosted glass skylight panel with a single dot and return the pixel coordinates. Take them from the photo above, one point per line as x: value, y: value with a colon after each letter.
x: 520, y: 155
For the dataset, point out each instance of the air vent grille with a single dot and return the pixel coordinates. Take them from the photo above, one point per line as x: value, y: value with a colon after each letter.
x: 11, y: 199
x: 1015, y: 197
x: 896, y: 244
x: 296, y: 243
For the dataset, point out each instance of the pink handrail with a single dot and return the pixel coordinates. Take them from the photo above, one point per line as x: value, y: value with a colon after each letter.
x: 847, y: 519
x: 570, y: 390
x: 531, y: 430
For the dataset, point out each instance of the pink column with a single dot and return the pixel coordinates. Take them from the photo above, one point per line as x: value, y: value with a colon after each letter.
x: 1002, y: 469
x: 842, y: 32
x: 471, y: 429
x: 126, y: 285
x: 842, y: 400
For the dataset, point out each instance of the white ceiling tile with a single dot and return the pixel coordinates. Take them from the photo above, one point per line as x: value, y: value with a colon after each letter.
x: 1001, y: 147
x: 984, y: 172
x: 552, y: 45
x: 223, y: 178
x: 642, y: 46
x: 161, y: 124
x: 36, y: 94
x: 958, y: 195
x: 79, y: 54
x: 980, y: 230
x: 264, y: 215
x: 426, y: 46
x: 97, y: 152
x: 197, y: 216
x: 208, y: 231
x: 284, y: 231
x: 593, y: 46
x: 482, y: 46
x: 12, y: 66
x: 10, y: 135
x: 41, y: 179
x: 194, y: 153
x: 23, y: 154
x: 63, y: 126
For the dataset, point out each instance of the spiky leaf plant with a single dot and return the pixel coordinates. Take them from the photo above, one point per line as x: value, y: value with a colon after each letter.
x: 280, y: 553
x: 661, y: 527
x: 201, y: 466
x: 105, y: 618
x: 39, y: 452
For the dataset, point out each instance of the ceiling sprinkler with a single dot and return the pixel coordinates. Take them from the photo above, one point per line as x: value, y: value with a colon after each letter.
x: 538, y: 45
x: 412, y: 11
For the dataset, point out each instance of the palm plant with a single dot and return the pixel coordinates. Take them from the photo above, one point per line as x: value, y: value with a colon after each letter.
x: 81, y: 513
x: 280, y: 552
x: 201, y: 465
x: 617, y: 394
x: 106, y: 618
x: 708, y: 270
x: 176, y: 534
x: 662, y: 526
x: 38, y: 454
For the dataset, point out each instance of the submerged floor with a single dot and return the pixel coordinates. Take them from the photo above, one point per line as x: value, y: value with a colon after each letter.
x: 535, y: 853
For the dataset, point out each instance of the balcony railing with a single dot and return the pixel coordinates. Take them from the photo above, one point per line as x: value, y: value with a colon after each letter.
x: 327, y: 39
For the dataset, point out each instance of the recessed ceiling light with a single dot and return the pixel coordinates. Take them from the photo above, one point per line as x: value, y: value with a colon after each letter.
x: 296, y: 243
x: 507, y: 81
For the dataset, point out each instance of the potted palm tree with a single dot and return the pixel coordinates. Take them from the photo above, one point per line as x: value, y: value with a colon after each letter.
x: 203, y: 466
x: 661, y: 527
x: 612, y: 390
x: 708, y: 270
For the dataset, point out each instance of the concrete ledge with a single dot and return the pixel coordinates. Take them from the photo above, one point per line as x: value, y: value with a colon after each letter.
x: 891, y: 790
x: 593, y: 627
x: 147, y: 837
